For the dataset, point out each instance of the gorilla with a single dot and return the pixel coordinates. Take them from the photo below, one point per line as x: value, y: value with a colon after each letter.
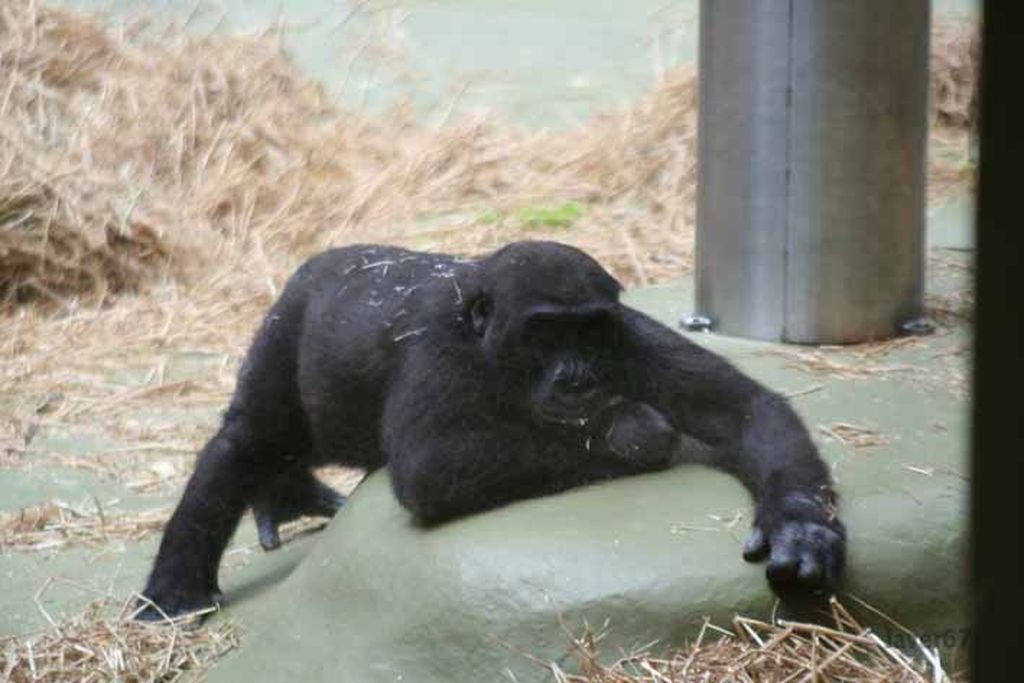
x: 476, y: 383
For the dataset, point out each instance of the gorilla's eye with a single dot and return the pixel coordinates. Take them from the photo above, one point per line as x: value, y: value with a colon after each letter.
x: 548, y: 331
x: 543, y: 332
x: 598, y: 332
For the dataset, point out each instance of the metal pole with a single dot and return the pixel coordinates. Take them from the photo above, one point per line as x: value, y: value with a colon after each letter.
x: 810, y: 202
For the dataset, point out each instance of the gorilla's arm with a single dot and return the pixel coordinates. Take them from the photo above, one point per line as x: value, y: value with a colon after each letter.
x: 457, y: 446
x: 753, y: 434
x: 438, y: 476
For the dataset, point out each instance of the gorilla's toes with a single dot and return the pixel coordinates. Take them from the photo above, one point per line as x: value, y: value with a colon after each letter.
x: 302, y: 497
x: 327, y: 501
x: 266, y: 527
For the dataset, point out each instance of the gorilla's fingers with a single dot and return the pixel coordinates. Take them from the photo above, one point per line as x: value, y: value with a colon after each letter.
x: 640, y: 435
x: 831, y: 548
x: 834, y: 564
x: 811, y: 571
x: 806, y: 555
x: 785, y: 555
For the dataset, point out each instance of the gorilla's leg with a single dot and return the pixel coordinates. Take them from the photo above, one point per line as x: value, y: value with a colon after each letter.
x: 231, y: 467
x: 292, y: 495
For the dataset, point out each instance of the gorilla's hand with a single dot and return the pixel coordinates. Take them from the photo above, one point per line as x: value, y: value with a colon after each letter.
x: 804, y: 541
x: 640, y: 435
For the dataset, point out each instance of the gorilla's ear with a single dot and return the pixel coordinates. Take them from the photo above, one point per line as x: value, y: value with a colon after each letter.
x: 480, y: 313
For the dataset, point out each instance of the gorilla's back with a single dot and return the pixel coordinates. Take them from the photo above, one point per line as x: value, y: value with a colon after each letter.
x: 359, y: 308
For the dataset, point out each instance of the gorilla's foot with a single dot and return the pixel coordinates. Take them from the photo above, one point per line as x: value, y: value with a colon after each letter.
x: 297, y: 497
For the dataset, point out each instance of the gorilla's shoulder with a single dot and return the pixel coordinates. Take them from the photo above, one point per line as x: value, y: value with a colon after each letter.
x: 355, y: 254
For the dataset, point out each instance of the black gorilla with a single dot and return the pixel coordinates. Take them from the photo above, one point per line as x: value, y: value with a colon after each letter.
x: 476, y: 383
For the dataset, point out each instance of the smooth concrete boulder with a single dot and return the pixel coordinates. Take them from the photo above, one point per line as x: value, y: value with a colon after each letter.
x: 377, y: 599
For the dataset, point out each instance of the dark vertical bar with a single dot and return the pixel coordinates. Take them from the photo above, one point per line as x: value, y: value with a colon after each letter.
x: 997, y: 532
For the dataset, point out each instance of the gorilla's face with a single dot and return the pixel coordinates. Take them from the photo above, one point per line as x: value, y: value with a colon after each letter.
x: 570, y: 358
x: 557, y: 359
x: 548, y: 316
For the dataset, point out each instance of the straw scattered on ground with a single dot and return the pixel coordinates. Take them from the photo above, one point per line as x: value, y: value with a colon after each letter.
x: 951, y: 308
x: 102, y: 525
x: 103, y: 644
x: 824, y: 363
x: 757, y: 651
x: 857, y: 436
x: 51, y: 526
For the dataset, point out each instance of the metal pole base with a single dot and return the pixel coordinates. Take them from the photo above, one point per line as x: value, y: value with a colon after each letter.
x: 917, y: 327
x: 696, y: 323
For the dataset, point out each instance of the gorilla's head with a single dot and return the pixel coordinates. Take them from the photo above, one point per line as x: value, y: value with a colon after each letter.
x: 548, y: 317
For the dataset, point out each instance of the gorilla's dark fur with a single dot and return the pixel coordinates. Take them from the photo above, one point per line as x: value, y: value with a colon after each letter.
x: 476, y: 383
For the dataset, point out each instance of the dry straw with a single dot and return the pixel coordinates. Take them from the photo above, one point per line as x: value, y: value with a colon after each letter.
x: 128, y: 157
x: 51, y: 526
x: 103, y: 644
x: 758, y: 652
x: 57, y: 525
x: 204, y: 169
x: 955, y: 59
x: 853, y: 435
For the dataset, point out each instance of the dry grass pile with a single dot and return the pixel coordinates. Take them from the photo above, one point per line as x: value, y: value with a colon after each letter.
x: 127, y: 156
x: 955, y: 65
x: 59, y: 229
x: 756, y: 651
x: 104, y: 644
x: 234, y: 166
x: 118, y: 153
